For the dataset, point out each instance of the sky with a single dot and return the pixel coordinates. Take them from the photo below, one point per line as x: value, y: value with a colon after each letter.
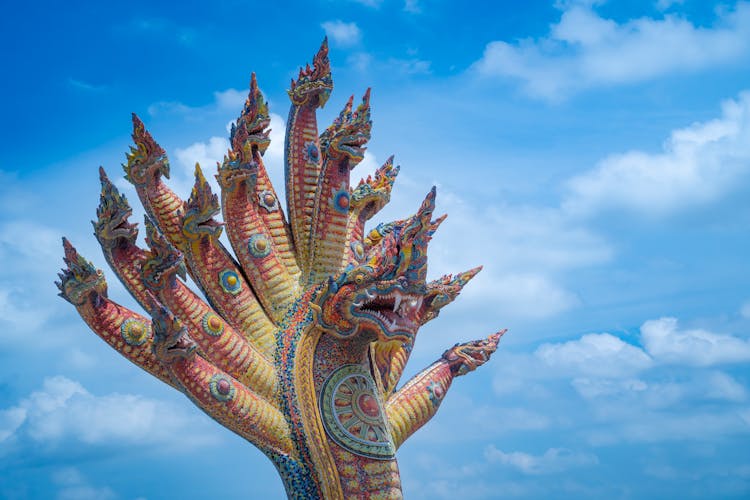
x: 594, y: 156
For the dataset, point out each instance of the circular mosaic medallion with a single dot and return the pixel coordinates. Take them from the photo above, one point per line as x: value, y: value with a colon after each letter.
x: 341, y: 201
x: 230, y: 282
x: 259, y: 246
x: 311, y: 150
x: 436, y: 393
x: 267, y: 200
x: 134, y: 332
x: 221, y: 388
x: 212, y: 324
x: 352, y: 413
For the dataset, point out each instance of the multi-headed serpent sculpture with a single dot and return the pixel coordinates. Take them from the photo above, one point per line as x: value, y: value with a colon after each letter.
x: 305, y: 331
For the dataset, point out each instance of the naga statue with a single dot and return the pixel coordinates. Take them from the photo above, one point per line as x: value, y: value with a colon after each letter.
x: 305, y: 329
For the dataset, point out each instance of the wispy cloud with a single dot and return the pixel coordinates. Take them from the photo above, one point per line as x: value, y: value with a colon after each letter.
x: 344, y: 34
x: 164, y: 28
x: 72, y: 485
x: 584, y: 50
x: 85, y: 86
x: 413, y: 6
x: 375, y: 4
x: 552, y: 460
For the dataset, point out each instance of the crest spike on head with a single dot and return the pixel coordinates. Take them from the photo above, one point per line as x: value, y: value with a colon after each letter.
x: 198, y: 218
x: 434, y: 225
x: 428, y: 206
x: 466, y: 276
x: 251, y: 128
x: 79, y: 277
x: 366, y: 97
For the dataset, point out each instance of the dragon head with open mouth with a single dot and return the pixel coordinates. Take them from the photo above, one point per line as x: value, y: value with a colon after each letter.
x: 386, y: 296
x: 313, y: 85
x: 199, y: 211
x: 146, y: 161
x: 464, y: 358
x: 164, y: 261
x: 111, y: 226
x: 249, y: 135
x: 344, y: 140
x: 171, y: 339
x: 373, y: 193
x: 80, y: 281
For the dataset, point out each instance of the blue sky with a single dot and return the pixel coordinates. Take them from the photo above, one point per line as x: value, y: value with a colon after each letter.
x: 594, y: 156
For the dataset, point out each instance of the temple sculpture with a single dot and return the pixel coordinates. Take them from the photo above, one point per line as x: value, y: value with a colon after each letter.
x: 301, y: 333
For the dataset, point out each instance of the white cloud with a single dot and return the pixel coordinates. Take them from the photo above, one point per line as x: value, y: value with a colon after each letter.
x: 553, y: 460
x: 697, y: 165
x: 724, y: 387
x: 206, y: 153
x: 231, y: 99
x: 34, y: 251
x: 667, y: 344
x: 369, y: 3
x: 360, y: 61
x: 28, y: 242
x: 73, y: 486
x: 585, y: 50
x: 225, y: 101
x: 693, y: 426
x: 10, y: 420
x: 745, y: 310
x: 666, y: 4
x: 413, y: 6
x: 410, y: 66
x: 86, y: 86
x: 530, y: 295
x: 591, y: 388
x: 64, y: 411
x: 716, y: 386
x: 345, y: 34
x: 599, y: 354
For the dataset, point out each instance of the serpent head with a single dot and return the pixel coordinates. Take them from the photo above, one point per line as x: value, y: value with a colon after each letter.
x: 171, y: 340
x: 80, y: 280
x: 146, y: 161
x: 111, y: 225
x: 344, y: 140
x: 464, y: 358
x: 164, y: 261
x: 443, y: 291
x: 384, y: 296
x: 372, y: 194
x: 313, y: 85
x: 198, y: 219
x: 248, y: 136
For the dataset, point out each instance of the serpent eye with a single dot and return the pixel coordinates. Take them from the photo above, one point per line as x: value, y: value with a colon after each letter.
x: 359, y: 278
